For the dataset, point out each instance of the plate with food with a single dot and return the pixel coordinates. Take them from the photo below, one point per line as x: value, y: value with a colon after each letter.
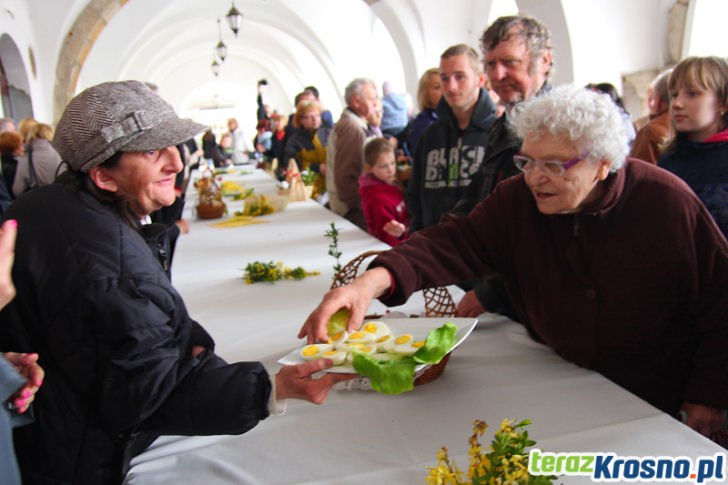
x: 383, y: 339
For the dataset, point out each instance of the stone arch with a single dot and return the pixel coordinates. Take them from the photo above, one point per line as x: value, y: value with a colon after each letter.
x: 78, y: 43
x: 16, y: 102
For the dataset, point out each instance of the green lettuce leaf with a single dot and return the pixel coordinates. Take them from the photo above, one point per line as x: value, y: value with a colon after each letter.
x: 398, y: 375
x: 386, y: 376
x: 438, y: 343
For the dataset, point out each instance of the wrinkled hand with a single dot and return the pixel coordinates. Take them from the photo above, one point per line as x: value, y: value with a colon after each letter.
x: 8, y: 233
x: 295, y: 381
x: 356, y: 297
x: 27, y: 366
x: 469, y: 306
x: 394, y: 228
x: 703, y: 419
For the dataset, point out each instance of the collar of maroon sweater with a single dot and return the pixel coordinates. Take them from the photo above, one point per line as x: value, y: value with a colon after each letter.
x: 613, y: 186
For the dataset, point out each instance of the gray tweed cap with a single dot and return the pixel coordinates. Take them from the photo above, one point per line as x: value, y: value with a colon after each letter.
x: 117, y: 116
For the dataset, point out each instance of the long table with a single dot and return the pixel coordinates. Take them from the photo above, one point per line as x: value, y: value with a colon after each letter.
x: 358, y: 436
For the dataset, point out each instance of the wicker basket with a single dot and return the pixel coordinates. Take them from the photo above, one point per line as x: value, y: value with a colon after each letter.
x: 432, y: 372
x: 210, y: 211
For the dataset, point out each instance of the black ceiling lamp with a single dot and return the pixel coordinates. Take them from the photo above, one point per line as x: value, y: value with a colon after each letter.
x: 234, y: 18
x: 215, y: 66
x: 221, y: 48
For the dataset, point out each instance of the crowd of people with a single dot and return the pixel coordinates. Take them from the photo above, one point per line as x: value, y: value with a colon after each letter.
x: 546, y: 204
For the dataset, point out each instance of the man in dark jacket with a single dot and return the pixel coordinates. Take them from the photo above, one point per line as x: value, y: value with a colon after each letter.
x: 517, y: 53
x: 452, y: 148
x: 124, y: 361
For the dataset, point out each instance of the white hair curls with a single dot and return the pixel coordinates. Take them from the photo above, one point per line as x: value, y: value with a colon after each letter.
x: 590, y: 120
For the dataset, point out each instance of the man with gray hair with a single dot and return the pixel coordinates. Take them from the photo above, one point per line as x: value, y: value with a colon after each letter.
x: 344, y: 156
x: 654, y: 135
x: 518, y: 59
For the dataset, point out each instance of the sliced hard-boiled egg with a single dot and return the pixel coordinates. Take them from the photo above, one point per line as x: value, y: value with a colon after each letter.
x: 338, y: 357
x: 376, y: 328
x: 408, y: 348
x: 381, y: 342
x: 403, y: 339
x: 314, y: 351
x: 360, y: 349
x: 338, y: 338
x: 360, y: 337
x: 348, y: 346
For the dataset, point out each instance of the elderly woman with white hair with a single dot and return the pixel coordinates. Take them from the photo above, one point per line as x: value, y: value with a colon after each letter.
x: 612, y: 262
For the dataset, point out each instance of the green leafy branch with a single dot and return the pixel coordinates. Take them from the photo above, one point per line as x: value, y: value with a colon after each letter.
x: 333, y: 234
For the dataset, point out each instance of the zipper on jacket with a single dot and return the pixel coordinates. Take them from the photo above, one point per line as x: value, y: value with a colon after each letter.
x: 576, y: 225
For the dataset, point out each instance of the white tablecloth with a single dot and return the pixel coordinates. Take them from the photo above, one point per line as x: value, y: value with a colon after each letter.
x: 361, y: 437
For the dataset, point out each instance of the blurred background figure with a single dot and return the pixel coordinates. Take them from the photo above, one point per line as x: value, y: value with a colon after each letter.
x: 611, y: 91
x: 41, y: 163
x: 24, y: 127
x: 211, y: 150
x: 327, y: 119
x: 652, y: 138
x: 278, y: 139
x: 429, y: 92
x: 262, y: 113
x: 239, y: 143
x: 7, y: 124
x: 308, y: 141
x: 396, y: 112
x: 11, y: 148
x: 345, y: 156
x: 262, y: 140
x: 374, y: 120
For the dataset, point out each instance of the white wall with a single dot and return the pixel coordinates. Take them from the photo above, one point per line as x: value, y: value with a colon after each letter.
x: 707, y: 37
x: 15, y: 22
x: 614, y: 37
x: 294, y: 43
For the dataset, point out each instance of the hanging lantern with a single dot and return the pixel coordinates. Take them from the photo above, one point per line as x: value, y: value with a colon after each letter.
x: 235, y: 19
x: 215, y: 66
x: 221, y: 48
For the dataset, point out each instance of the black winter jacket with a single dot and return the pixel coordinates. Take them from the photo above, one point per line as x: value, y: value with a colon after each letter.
x: 115, y: 340
x: 445, y: 161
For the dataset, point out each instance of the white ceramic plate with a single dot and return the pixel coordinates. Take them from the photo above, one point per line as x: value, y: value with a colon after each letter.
x: 418, y: 327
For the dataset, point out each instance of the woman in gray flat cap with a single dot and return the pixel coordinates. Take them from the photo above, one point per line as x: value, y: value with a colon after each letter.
x: 124, y: 361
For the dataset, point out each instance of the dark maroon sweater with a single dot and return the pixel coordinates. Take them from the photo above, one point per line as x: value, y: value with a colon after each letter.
x: 634, y: 287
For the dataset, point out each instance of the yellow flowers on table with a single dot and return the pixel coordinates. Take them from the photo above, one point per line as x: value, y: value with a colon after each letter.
x: 269, y: 272
x: 506, y: 463
x: 256, y: 205
x: 235, y: 190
